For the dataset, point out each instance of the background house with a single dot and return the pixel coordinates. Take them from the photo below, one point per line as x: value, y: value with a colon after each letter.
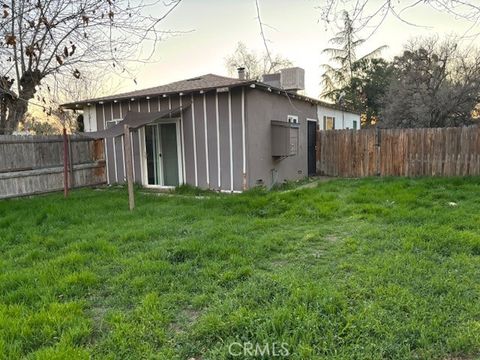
x: 226, y: 134
x: 333, y: 118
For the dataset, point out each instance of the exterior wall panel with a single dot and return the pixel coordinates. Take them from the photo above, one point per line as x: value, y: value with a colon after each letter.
x: 164, y: 103
x: 217, y: 151
x: 174, y: 102
x: 99, y: 116
x: 143, y: 105
x: 262, y: 108
x: 116, y: 110
x: 188, y: 138
x: 237, y: 141
x: 124, y: 108
x: 90, y: 118
x: 110, y: 155
x: 136, y: 157
x: 223, y: 110
x: 118, y: 141
x: 200, y: 141
x: 212, y: 139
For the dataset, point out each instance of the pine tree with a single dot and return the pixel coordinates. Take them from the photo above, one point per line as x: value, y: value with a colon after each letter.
x: 344, y: 56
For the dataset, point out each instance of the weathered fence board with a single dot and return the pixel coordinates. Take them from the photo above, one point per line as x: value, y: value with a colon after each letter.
x: 399, y: 152
x: 34, y: 164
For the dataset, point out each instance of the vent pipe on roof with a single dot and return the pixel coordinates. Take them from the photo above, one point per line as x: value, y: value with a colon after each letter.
x: 241, y: 73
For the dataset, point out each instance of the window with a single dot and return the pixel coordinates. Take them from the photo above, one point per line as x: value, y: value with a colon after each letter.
x: 354, y: 125
x: 113, y: 122
x: 329, y: 122
x: 292, y: 119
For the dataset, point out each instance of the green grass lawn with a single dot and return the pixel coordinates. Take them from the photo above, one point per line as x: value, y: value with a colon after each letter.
x: 351, y: 269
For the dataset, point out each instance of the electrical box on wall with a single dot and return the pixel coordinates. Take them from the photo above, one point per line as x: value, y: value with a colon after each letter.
x: 284, y: 138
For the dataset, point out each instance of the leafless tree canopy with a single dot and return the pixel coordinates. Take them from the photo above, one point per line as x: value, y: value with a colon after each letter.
x: 255, y: 64
x: 45, y: 39
x: 434, y: 85
x: 373, y: 13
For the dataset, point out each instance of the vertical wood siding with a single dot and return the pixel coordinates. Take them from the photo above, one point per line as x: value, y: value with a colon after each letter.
x: 237, y: 141
x: 188, y: 138
x: 200, y: 140
x: 212, y: 139
x: 224, y: 130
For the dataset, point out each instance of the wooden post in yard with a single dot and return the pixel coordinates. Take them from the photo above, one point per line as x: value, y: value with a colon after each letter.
x: 128, y: 163
x: 70, y: 162
x: 65, y: 163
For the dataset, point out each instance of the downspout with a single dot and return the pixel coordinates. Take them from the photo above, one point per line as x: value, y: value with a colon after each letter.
x: 244, y: 141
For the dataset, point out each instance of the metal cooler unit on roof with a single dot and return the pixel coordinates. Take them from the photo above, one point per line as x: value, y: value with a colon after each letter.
x: 291, y: 79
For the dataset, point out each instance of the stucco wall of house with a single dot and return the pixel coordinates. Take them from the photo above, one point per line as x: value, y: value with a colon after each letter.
x: 261, y: 108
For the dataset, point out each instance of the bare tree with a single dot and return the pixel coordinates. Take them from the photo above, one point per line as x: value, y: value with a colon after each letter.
x: 434, y: 85
x: 255, y: 64
x: 373, y: 13
x: 45, y: 39
x: 49, y: 118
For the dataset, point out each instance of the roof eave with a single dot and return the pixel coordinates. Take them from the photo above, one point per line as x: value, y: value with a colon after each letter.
x: 250, y: 83
x: 81, y: 104
x: 306, y: 98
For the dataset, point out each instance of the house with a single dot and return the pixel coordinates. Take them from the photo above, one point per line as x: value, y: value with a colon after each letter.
x: 215, y: 132
x: 331, y: 118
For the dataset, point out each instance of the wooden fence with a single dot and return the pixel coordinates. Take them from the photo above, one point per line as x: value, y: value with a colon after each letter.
x: 34, y: 164
x: 399, y: 152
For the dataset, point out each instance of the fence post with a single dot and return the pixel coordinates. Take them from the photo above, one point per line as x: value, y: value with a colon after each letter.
x: 378, y: 140
x: 70, y: 162
x: 65, y: 163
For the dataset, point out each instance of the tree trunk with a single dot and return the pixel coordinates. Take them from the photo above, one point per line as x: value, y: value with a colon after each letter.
x: 16, y: 111
x: 3, y: 112
x: 18, y: 107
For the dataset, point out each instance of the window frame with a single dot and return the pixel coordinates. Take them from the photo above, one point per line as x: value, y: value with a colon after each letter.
x: 325, y: 122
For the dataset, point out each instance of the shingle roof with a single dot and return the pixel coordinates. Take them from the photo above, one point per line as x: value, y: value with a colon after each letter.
x: 204, y: 82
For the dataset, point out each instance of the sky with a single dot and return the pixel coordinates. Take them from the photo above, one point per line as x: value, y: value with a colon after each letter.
x: 295, y: 30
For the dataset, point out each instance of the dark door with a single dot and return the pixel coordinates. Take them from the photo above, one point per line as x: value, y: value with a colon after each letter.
x: 312, y: 141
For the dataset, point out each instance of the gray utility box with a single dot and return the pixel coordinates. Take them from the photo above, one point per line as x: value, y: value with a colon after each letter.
x: 284, y: 138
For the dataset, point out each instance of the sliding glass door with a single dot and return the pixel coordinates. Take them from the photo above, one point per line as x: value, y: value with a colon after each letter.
x: 162, y: 154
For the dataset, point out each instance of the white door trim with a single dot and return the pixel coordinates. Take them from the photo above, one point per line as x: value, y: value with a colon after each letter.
x: 143, y: 154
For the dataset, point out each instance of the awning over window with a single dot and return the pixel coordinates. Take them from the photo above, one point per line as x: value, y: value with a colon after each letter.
x: 135, y: 120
